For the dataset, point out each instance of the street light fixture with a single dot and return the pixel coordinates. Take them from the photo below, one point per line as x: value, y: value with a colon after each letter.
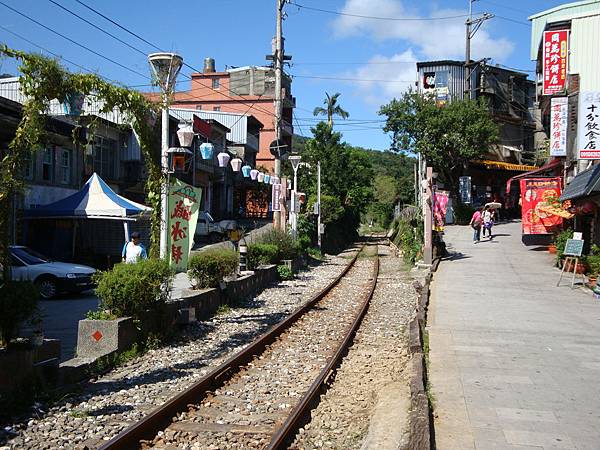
x: 165, y: 67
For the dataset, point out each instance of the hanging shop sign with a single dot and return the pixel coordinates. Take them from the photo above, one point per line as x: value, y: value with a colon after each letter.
x: 559, y: 110
x: 276, y: 197
x: 464, y: 189
x: 536, y: 195
x: 588, y: 131
x: 556, y: 48
x: 440, y: 204
x: 184, y: 202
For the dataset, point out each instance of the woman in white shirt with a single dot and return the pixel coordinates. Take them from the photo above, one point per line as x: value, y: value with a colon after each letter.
x: 133, y: 250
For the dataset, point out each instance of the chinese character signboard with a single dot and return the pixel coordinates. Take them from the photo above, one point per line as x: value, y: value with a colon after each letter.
x: 440, y: 204
x: 276, y: 197
x: 184, y: 201
x: 464, y: 188
x: 558, y: 126
x: 537, y: 193
x: 556, y: 48
x: 588, y: 131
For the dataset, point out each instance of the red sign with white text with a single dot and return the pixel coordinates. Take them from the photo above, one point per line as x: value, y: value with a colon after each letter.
x: 536, y: 193
x: 556, y: 53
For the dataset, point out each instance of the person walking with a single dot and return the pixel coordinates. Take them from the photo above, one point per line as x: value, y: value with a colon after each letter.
x: 476, y: 222
x: 488, y: 221
x: 134, y: 250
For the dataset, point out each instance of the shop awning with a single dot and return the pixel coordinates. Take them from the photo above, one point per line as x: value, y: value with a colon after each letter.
x: 536, y: 172
x: 583, y: 185
x: 500, y: 165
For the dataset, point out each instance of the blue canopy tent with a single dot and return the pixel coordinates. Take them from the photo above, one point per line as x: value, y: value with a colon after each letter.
x: 95, y: 200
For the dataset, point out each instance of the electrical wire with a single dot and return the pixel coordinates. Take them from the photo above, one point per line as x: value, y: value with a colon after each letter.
x: 351, y: 79
x: 401, y: 19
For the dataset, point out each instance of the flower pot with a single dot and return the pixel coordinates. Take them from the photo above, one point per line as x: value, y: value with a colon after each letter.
x: 592, y: 280
x: 579, y: 269
x: 552, y: 249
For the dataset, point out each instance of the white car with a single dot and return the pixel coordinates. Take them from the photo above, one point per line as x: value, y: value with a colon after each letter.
x: 207, y: 227
x: 51, y: 277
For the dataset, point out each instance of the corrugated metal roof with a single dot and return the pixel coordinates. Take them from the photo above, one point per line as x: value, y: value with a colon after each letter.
x: 237, y: 123
x: 560, y: 13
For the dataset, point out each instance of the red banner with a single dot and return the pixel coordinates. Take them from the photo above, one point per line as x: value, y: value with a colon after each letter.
x: 539, y: 193
x: 556, y: 49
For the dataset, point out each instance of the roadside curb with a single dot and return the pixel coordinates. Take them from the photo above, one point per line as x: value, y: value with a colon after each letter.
x: 420, y: 415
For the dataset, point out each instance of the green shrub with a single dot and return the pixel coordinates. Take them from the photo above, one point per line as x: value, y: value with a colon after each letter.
x: 259, y: 254
x: 561, y: 242
x: 285, y: 273
x: 206, y: 269
x: 409, y: 239
x: 130, y: 289
x: 18, y: 301
x: 286, y: 247
x: 462, y: 213
x: 315, y: 253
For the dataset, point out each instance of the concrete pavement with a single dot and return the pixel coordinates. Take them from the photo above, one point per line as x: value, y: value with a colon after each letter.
x: 514, y: 360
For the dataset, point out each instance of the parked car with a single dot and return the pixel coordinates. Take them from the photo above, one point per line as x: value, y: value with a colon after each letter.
x: 51, y: 277
x: 208, y: 228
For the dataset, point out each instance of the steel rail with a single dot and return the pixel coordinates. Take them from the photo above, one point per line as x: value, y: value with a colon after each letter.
x: 159, y: 419
x: 287, y: 431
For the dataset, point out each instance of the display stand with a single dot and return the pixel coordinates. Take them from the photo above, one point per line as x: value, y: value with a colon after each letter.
x: 573, y: 249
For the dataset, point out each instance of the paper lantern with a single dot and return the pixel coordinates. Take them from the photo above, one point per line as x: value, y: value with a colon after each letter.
x: 253, y: 174
x: 267, y: 178
x: 206, y: 150
x: 261, y: 177
x: 246, y: 171
x: 236, y: 164
x: 223, y: 158
x: 185, y: 134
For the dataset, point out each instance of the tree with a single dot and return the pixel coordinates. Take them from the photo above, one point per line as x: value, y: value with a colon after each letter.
x: 332, y: 109
x: 448, y: 137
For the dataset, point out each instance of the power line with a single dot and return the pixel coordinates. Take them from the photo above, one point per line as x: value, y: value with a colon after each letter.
x: 378, y: 18
x: 339, y: 63
x: 73, y: 41
x: 352, y: 79
x: 512, y: 20
x: 507, y: 7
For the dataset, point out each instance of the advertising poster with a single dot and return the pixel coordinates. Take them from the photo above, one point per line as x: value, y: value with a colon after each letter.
x: 464, y: 188
x: 440, y: 203
x: 559, y: 111
x: 588, y: 132
x: 537, y: 193
x: 556, y: 49
x: 276, y: 197
x: 184, y: 202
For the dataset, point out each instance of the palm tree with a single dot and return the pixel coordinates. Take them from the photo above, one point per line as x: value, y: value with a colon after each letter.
x: 333, y: 109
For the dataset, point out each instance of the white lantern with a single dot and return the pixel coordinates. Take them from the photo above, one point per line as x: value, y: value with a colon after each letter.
x: 236, y: 164
x: 185, y: 135
x: 253, y: 174
x: 261, y: 177
x: 223, y: 158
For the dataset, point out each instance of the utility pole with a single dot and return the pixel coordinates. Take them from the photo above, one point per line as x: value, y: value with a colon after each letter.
x: 473, y: 26
x: 319, y: 204
x: 278, y: 56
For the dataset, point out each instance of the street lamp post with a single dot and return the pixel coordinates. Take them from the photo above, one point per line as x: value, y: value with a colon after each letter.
x: 165, y: 68
x: 295, y: 161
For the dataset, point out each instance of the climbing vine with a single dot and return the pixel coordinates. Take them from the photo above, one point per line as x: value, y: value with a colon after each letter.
x: 42, y: 80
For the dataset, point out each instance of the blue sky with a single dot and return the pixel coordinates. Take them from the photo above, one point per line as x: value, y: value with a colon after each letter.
x: 380, y: 53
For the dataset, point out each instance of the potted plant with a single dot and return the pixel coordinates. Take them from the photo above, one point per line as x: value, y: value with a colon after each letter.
x: 37, y: 321
x: 561, y: 242
x: 593, y: 262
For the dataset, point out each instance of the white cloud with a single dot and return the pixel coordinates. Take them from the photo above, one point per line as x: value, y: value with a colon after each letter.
x: 443, y: 39
x: 397, y: 72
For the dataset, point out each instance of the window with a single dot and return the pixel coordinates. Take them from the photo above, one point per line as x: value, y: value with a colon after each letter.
x: 64, y: 166
x: 28, y: 167
x: 48, y: 164
x: 105, y: 157
x: 217, y: 108
x: 199, y: 107
x: 216, y: 83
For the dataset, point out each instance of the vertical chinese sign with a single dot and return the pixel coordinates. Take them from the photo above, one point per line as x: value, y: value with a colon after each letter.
x: 556, y: 52
x: 184, y: 201
x: 276, y: 197
x: 538, y: 193
x: 558, y: 126
x: 440, y: 205
x: 588, y: 131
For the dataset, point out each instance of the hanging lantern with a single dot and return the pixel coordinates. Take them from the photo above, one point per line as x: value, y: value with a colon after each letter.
x: 267, y: 178
x: 246, y: 170
x: 253, y: 174
x: 274, y: 180
x: 236, y: 164
x: 206, y: 150
x: 223, y: 158
x: 185, y: 134
x: 73, y: 105
x: 261, y: 177
x: 179, y: 159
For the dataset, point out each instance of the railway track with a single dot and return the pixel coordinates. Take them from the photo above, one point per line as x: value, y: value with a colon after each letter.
x: 260, y: 397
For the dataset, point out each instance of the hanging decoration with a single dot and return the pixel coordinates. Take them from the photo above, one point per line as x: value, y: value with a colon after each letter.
x: 246, y: 171
x: 206, y: 150
x: 254, y: 174
x: 223, y: 159
x: 236, y: 164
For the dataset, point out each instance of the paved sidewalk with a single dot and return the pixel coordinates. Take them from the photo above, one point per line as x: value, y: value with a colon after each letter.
x: 514, y: 361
